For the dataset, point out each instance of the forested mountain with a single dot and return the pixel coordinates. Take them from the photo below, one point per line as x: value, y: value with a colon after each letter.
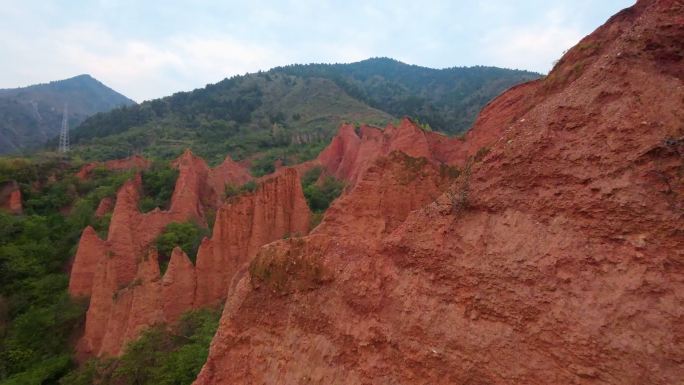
x: 29, y: 116
x: 447, y: 99
x: 293, y: 105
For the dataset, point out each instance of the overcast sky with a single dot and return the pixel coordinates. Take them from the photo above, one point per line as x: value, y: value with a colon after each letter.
x: 148, y: 48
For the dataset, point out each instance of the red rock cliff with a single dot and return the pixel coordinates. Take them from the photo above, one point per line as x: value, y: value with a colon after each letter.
x: 351, y: 153
x: 91, y: 250
x: 555, y: 258
x: 277, y: 209
x: 349, y: 235
x: 122, y: 276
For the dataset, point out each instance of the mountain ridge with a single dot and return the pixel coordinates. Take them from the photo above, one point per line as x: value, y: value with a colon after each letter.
x: 296, y: 104
x: 32, y: 115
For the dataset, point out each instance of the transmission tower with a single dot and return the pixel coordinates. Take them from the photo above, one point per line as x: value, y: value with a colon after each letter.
x: 64, y: 133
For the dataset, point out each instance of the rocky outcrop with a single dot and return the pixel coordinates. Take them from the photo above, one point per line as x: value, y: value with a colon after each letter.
x: 134, y: 162
x: 200, y: 187
x: 10, y: 197
x: 131, y: 232
x: 14, y: 205
x: 227, y: 172
x: 554, y: 258
x: 90, y: 252
x: 353, y: 150
x: 118, y: 313
x: 122, y: 276
x: 389, y: 190
x: 178, y: 285
x: 350, y: 233
x: 105, y: 207
x: 276, y: 210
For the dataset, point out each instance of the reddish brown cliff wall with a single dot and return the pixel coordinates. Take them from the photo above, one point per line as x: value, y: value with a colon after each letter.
x: 122, y: 276
x: 555, y: 257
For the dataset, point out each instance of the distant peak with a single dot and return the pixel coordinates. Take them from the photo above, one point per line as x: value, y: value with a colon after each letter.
x: 382, y: 60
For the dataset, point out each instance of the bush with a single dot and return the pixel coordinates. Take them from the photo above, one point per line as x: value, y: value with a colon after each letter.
x: 231, y: 190
x: 158, y: 183
x: 37, y: 316
x: 320, y: 196
x: 186, y: 235
x: 161, y: 355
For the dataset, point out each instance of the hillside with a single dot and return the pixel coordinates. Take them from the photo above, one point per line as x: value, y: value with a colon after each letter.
x: 447, y: 99
x: 545, y: 245
x: 294, y: 105
x: 554, y: 257
x: 29, y: 116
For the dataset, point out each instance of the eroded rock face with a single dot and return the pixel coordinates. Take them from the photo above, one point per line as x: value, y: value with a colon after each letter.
x: 105, y: 207
x: 227, y: 172
x: 200, y: 187
x: 350, y: 234
x: 91, y: 250
x: 10, y: 197
x: 352, y: 151
x: 178, y: 285
x: 388, y: 191
x: 121, y: 274
x: 134, y: 162
x: 122, y: 312
x: 554, y: 258
x: 276, y: 210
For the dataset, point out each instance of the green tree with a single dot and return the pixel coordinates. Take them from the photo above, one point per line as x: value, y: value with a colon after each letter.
x: 186, y: 235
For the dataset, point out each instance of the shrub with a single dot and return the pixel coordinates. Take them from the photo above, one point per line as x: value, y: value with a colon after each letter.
x: 230, y: 190
x: 162, y: 355
x: 186, y: 235
x: 320, y: 197
x: 158, y: 183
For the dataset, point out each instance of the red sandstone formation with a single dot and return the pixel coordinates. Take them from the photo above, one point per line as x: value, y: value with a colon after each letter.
x: 350, y: 153
x: 178, y: 285
x: 14, y: 205
x: 122, y: 276
x: 105, y: 207
x: 134, y: 162
x: 555, y: 257
x: 388, y: 191
x: 10, y: 197
x: 278, y: 209
x: 131, y: 232
x: 91, y: 250
x: 199, y: 187
x: 228, y: 172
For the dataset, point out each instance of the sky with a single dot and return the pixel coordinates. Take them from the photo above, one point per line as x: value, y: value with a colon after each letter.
x: 149, y: 48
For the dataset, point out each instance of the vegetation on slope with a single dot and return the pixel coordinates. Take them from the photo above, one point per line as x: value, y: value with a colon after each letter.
x: 161, y: 356
x: 292, y: 109
x: 240, y: 116
x: 32, y: 115
x: 37, y: 316
x: 186, y: 235
x: 158, y: 183
x: 319, y: 194
x: 446, y: 99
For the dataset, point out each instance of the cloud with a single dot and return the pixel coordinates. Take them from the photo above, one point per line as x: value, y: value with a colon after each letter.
x: 147, y: 69
x: 152, y: 49
x: 534, y: 47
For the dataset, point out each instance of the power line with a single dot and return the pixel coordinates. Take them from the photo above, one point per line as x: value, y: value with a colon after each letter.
x: 64, y: 133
